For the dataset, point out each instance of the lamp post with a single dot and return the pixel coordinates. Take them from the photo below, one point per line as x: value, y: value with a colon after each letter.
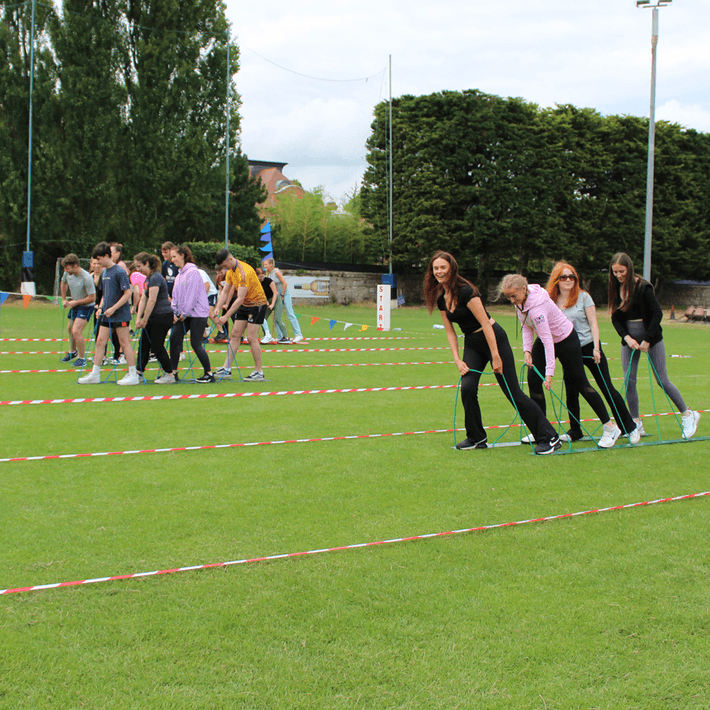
x: 651, y: 136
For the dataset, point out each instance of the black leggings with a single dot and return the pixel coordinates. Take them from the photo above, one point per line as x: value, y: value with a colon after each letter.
x: 196, y: 328
x: 601, y: 375
x: 153, y: 339
x: 569, y: 353
x: 477, y: 354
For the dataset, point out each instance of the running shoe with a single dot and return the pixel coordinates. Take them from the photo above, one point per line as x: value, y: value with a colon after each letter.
x: 129, y: 379
x: 548, y: 447
x: 610, y: 434
x: 79, y: 362
x: 222, y: 373
x: 283, y: 341
x: 298, y: 339
x: 152, y: 358
x: 207, y: 378
x: 255, y: 376
x: 470, y: 444
x: 182, y: 356
x: 690, y: 423
x: 635, y: 435
x: 573, y: 435
x: 267, y: 339
x: 529, y: 439
x: 69, y: 356
x: 121, y: 359
x: 642, y: 431
x: 90, y: 379
x: 166, y: 379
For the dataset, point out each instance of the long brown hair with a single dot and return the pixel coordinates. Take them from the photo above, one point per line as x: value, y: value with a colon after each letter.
x: 553, y: 283
x: 615, y: 300
x: 143, y: 257
x: 433, y: 289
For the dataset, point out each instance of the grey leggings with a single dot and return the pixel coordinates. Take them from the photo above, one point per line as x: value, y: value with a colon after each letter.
x: 657, y: 353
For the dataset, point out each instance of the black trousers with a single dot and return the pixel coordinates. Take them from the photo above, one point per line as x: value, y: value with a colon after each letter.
x: 601, y: 375
x: 153, y: 338
x: 196, y: 328
x: 477, y: 354
x: 569, y: 353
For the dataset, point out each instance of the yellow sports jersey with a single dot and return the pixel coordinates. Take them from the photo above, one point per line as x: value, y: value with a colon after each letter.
x: 244, y: 275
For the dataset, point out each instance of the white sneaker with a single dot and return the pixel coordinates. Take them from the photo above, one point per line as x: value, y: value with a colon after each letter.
x: 635, y: 435
x: 129, y: 379
x: 165, y: 379
x: 690, y: 423
x: 565, y: 438
x: 121, y: 359
x: 610, y: 435
x: 182, y: 356
x: 529, y: 439
x: 267, y: 339
x: 642, y: 431
x: 298, y: 339
x: 90, y: 379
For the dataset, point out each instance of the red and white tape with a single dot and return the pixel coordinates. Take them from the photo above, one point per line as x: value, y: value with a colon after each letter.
x: 341, y: 548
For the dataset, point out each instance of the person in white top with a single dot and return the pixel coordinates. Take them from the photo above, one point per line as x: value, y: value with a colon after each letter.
x: 282, y: 287
x: 578, y: 306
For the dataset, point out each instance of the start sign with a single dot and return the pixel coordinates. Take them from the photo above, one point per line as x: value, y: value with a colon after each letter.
x: 384, y: 303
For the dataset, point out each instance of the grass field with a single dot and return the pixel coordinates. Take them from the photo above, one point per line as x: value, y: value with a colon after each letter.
x: 608, y: 610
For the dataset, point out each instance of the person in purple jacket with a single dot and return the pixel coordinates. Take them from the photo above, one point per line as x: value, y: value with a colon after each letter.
x: 190, y: 311
x: 556, y: 338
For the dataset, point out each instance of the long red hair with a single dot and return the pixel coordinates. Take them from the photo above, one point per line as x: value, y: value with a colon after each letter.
x: 553, y: 283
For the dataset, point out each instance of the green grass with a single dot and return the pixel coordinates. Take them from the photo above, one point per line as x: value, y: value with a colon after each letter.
x: 600, y: 611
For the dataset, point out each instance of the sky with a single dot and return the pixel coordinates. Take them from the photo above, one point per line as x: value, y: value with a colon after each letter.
x: 312, y: 71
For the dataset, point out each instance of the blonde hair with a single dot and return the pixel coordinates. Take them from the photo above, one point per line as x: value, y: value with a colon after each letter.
x: 510, y: 281
x: 269, y: 261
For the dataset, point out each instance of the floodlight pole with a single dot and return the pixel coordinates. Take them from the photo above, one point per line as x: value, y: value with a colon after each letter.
x: 226, y: 189
x: 648, y: 232
x: 391, y: 211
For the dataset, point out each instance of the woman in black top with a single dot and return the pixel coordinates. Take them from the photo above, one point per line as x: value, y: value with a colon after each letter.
x: 636, y: 315
x: 459, y: 301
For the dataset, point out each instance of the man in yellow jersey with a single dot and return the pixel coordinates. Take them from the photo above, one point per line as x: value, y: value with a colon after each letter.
x: 247, y: 311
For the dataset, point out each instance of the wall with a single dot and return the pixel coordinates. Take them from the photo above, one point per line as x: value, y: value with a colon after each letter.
x: 345, y: 286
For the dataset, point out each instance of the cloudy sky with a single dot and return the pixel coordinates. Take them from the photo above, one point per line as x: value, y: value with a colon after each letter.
x: 313, y: 70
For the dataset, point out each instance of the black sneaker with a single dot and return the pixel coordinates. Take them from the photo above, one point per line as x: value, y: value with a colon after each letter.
x: 470, y: 444
x: 69, y: 356
x: 548, y: 447
x: 206, y: 378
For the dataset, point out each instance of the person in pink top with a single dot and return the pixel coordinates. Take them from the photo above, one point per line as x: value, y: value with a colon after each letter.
x: 556, y: 339
x: 190, y: 311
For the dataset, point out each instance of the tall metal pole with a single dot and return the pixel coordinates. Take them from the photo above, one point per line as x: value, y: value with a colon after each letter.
x: 226, y: 189
x: 29, y: 152
x: 391, y: 229
x: 651, y: 153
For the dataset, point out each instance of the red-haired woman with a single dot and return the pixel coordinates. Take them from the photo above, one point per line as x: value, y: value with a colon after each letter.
x: 636, y: 315
x: 459, y: 301
x: 578, y: 306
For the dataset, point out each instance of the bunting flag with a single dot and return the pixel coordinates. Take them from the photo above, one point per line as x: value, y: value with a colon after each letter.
x: 347, y: 325
x: 3, y: 297
x: 314, y: 320
x: 266, y: 247
x: 266, y: 229
x: 364, y: 327
x: 26, y: 298
x: 332, y: 324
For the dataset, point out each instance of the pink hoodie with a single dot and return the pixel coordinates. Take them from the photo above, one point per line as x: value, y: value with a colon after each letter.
x: 540, y: 315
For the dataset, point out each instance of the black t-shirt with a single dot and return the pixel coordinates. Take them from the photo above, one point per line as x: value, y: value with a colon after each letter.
x: 266, y: 285
x: 169, y: 272
x: 462, y: 313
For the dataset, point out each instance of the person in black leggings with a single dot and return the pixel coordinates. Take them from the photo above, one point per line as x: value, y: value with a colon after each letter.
x: 459, y: 301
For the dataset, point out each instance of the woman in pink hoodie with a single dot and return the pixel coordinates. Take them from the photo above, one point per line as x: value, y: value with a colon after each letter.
x: 190, y: 309
x: 556, y: 339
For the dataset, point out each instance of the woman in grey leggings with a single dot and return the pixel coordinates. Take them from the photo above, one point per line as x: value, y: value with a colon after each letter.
x: 636, y: 315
